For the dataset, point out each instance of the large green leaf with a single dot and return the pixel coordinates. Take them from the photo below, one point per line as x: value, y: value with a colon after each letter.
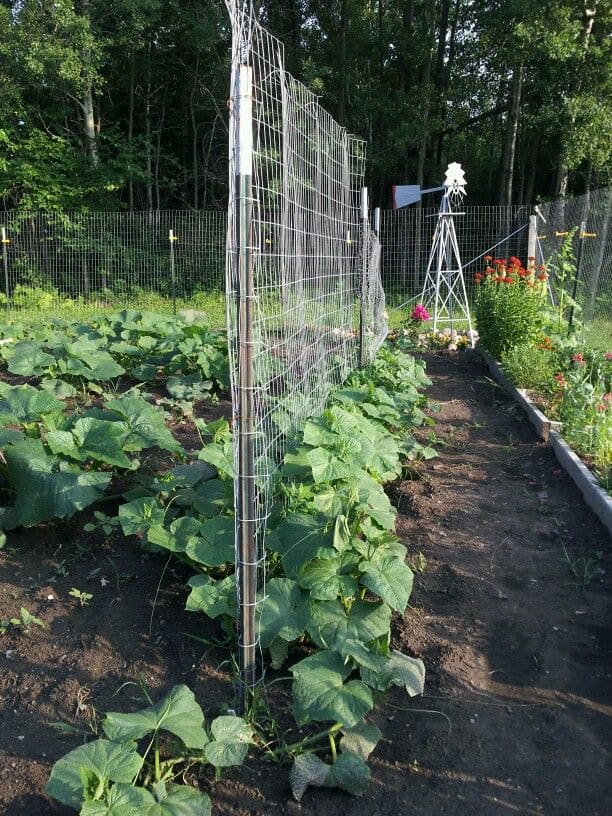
x: 171, y: 800
x: 212, y: 597
x: 97, y: 439
x: 282, y: 611
x: 389, y: 577
x: 140, y: 514
x: 24, y: 403
x: 349, y: 773
x: 121, y: 800
x: 96, y: 366
x: 321, y: 694
x: 175, y: 538
x: 327, y: 578
x: 362, y: 739
x: 29, y: 360
x: 146, y: 423
x: 178, y: 713
x: 108, y: 760
x: 189, y: 387
x: 47, y: 488
x: 399, y: 670
x: 331, y: 625
x: 215, y: 544
x: 302, y: 538
x: 327, y: 466
x: 221, y: 455
x: 230, y: 739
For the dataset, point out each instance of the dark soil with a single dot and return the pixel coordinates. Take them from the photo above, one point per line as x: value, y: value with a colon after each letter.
x: 517, y: 715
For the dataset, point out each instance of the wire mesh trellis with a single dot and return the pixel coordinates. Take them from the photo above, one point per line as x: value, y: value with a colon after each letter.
x: 299, y: 258
x: 586, y: 222
x: 80, y: 260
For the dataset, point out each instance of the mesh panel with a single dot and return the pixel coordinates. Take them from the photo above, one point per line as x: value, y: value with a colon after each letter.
x: 88, y: 260
x: 588, y: 219
x: 294, y: 276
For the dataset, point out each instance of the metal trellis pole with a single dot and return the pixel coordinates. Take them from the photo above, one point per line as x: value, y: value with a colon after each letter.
x: 245, y: 517
x: 364, y: 273
x: 5, y: 242
x: 581, y: 237
x: 172, y: 238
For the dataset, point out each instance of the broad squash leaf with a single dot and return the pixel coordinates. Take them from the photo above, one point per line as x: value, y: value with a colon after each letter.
x: 109, y: 760
x: 46, y: 487
x: 389, y: 577
x: 282, y: 611
x: 330, y: 625
x: 349, y: 773
x: 321, y: 694
x: 230, y: 739
x: 178, y: 713
x: 399, y: 670
x: 212, y: 597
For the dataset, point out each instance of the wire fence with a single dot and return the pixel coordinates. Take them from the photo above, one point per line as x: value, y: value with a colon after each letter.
x: 83, y: 262
x: 78, y: 260
x: 302, y: 279
x: 581, y: 229
x: 407, y: 236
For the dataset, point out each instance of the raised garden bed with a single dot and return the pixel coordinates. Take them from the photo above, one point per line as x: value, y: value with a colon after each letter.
x: 598, y: 499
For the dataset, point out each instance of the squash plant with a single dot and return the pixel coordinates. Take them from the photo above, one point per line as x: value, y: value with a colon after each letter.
x: 129, y: 772
x: 336, y: 570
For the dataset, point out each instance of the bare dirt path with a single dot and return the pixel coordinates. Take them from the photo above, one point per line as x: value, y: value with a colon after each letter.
x: 517, y: 713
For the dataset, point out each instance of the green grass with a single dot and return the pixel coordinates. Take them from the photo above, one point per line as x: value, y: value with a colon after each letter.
x: 212, y: 304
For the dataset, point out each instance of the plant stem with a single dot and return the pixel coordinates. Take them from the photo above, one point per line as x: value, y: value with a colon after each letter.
x: 332, y: 745
x: 307, y: 741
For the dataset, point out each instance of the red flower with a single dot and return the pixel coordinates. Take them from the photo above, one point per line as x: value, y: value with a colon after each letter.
x: 488, y: 258
x: 607, y: 397
x: 600, y: 407
x: 478, y: 277
x: 561, y: 380
x: 578, y: 358
x: 542, y: 276
x: 608, y: 355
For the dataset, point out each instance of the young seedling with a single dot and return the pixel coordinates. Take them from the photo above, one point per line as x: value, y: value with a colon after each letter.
x: 82, y: 597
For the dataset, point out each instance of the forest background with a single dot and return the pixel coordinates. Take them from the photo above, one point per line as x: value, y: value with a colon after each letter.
x: 122, y: 104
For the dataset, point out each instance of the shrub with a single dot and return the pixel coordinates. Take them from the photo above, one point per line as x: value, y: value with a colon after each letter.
x: 531, y: 367
x: 509, y: 302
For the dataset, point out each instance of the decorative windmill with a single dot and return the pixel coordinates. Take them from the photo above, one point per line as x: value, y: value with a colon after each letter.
x: 444, y: 285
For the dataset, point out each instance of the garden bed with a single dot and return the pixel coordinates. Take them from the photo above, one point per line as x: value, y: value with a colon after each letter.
x: 598, y: 499
x: 515, y: 716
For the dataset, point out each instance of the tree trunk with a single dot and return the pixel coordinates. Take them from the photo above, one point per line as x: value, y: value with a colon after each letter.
x: 158, y: 153
x: 512, y: 125
x: 194, y: 138
x: 130, y: 135
x: 147, y: 107
x: 590, y: 9
x: 86, y: 101
x: 426, y: 78
x: 452, y: 48
x: 342, y: 89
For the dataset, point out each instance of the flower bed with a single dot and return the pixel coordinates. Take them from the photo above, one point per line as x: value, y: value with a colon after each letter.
x: 539, y: 349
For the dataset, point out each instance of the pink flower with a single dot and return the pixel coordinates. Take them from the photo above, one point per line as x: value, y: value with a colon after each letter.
x: 420, y: 313
x: 608, y: 355
x: 560, y: 379
x: 578, y: 359
x: 601, y: 407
